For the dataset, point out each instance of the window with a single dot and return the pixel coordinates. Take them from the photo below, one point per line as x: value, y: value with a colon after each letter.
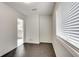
x: 69, y: 22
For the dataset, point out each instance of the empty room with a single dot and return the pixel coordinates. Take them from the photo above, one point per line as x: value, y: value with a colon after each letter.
x: 39, y: 29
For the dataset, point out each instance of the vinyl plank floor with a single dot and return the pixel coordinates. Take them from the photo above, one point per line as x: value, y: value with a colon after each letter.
x: 32, y: 50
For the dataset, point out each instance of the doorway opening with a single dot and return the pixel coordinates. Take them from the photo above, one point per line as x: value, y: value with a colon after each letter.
x: 20, y: 32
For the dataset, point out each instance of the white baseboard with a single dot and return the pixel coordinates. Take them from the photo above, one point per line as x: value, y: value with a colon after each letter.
x: 36, y: 42
x: 33, y: 42
x: 45, y: 42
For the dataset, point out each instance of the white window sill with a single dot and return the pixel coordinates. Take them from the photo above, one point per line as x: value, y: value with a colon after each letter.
x: 74, y: 50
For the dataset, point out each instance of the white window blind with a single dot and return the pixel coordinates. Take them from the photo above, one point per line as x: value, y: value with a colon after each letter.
x: 70, y: 22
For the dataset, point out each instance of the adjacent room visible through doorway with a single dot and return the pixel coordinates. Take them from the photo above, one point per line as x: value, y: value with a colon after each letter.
x: 20, y: 32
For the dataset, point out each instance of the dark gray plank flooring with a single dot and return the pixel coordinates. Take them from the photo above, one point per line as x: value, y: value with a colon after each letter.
x: 33, y: 50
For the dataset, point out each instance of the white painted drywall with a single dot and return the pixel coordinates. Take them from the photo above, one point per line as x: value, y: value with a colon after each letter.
x: 32, y: 29
x: 60, y: 50
x: 45, y: 29
x: 8, y: 29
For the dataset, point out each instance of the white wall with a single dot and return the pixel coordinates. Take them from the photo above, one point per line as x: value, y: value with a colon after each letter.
x: 38, y: 29
x: 32, y: 29
x: 45, y: 29
x: 8, y: 29
x: 60, y: 50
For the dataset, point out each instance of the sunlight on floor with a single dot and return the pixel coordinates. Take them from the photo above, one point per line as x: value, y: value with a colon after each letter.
x: 19, y: 42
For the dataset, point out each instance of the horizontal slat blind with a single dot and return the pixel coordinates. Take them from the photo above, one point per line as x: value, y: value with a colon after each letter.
x: 71, y: 23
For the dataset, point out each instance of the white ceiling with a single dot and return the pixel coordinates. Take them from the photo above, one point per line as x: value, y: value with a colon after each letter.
x: 43, y: 8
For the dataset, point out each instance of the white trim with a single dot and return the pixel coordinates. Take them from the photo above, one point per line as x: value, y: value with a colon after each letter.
x: 33, y: 42
x: 68, y: 47
x: 45, y: 42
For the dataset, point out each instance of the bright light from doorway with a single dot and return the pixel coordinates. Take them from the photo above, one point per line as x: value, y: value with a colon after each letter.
x: 20, y: 32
